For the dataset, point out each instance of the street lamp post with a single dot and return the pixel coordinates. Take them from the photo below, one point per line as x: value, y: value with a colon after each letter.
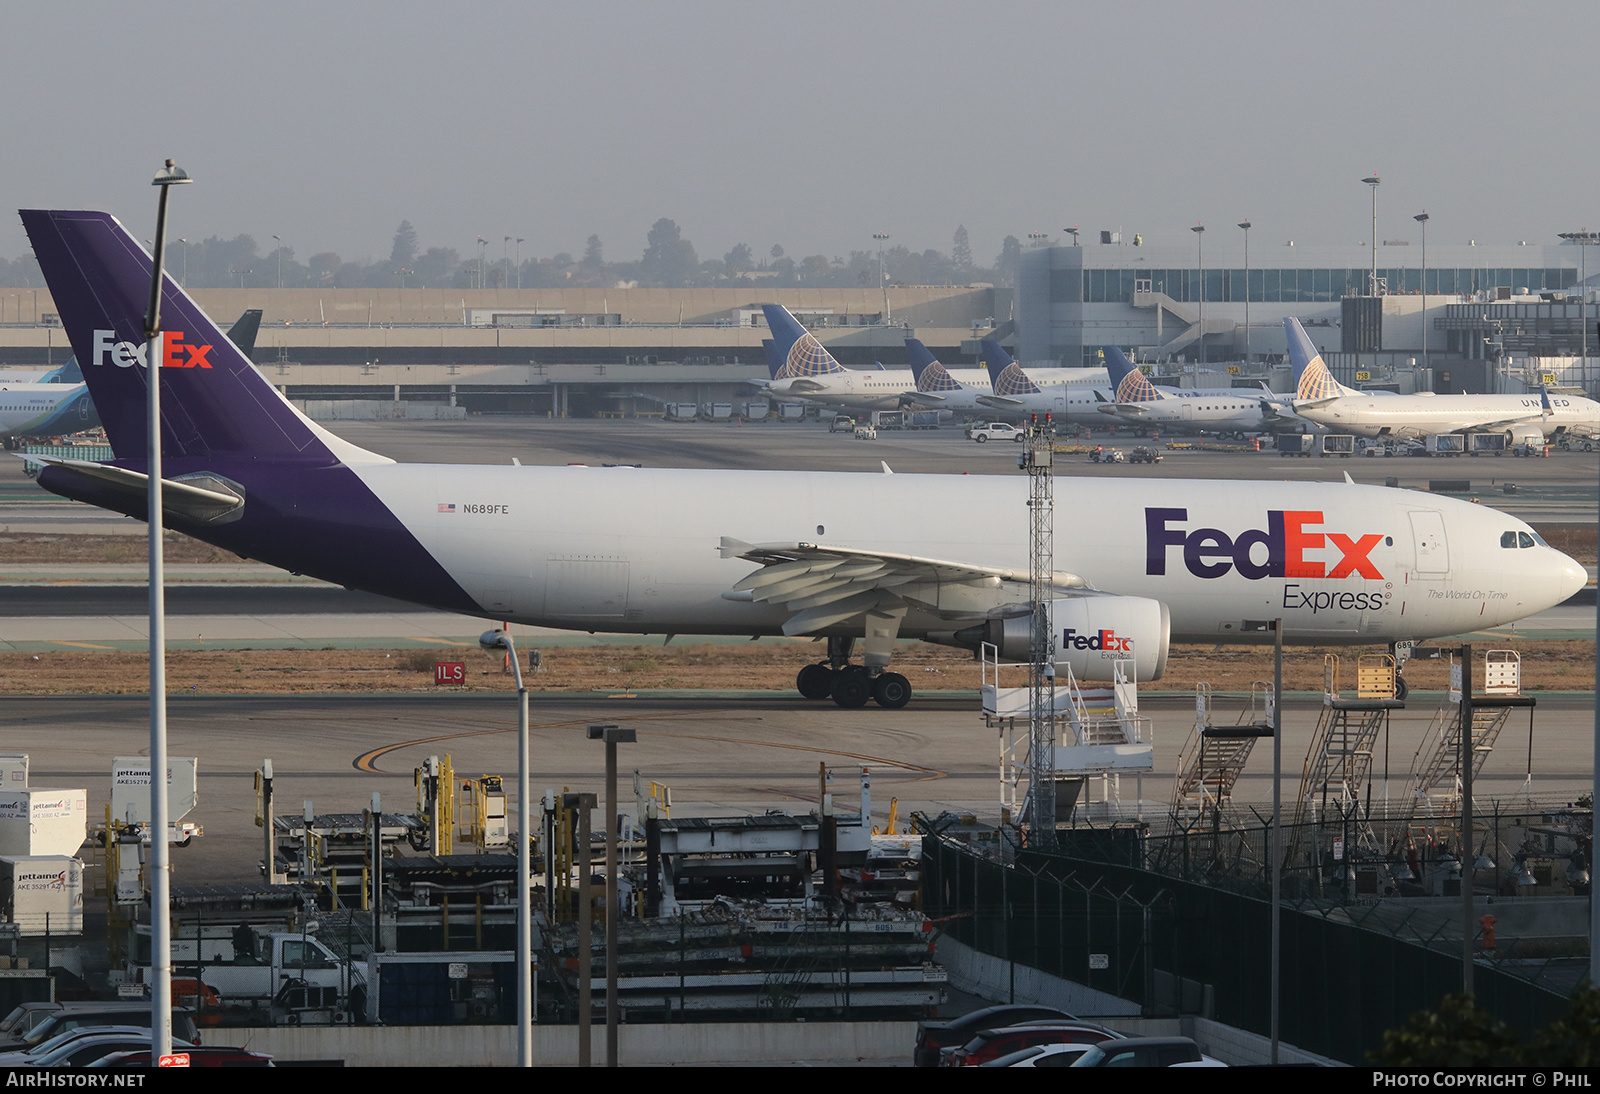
x: 1245, y: 224
x: 1422, y: 219
x: 519, y: 262
x: 1372, y: 181
x: 612, y: 735
x: 1199, y: 231
x: 1073, y: 232
x: 160, y: 851
x: 500, y: 640
x: 1583, y: 239
x: 883, y: 282
x: 280, y: 260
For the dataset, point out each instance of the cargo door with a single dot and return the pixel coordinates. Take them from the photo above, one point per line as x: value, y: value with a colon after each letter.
x: 1433, y: 552
x: 586, y: 587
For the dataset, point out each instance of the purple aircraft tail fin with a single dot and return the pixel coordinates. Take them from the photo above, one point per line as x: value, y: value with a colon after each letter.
x: 213, y: 401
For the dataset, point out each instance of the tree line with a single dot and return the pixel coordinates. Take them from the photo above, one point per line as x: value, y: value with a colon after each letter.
x: 669, y: 260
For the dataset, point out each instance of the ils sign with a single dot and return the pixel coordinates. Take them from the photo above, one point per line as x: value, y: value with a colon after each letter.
x: 449, y: 672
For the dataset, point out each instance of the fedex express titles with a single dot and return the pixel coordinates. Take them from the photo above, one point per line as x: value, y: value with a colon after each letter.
x: 1211, y: 553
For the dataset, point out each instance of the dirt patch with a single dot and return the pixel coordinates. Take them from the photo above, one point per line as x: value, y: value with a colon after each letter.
x: 1547, y: 665
x: 33, y: 548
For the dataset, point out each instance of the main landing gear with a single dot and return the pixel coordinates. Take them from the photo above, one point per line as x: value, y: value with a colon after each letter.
x: 850, y: 685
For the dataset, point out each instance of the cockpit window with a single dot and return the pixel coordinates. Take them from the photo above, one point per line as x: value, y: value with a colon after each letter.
x: 1508, y: 539
x: 1524, y: 539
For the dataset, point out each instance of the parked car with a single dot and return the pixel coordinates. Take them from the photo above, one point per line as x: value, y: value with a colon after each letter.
x: 933, y: 1036
x: 1041, y: 1056
x: 77, y: 1015
x: 1145, y: 1052
x: 994, y: 431
x: 88, y: 1050
x: 23, y: 1017
x: 209, y: 1056
x: 991, y: 1044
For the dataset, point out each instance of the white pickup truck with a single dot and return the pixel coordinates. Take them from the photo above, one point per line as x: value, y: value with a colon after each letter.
x: 295, y: 977
x: 994, y: 431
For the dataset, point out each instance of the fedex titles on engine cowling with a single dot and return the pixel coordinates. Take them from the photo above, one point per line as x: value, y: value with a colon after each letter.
x: 1280, y: 550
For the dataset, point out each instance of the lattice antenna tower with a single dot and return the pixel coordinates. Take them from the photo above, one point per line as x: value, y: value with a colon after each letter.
x: 1038, y: 460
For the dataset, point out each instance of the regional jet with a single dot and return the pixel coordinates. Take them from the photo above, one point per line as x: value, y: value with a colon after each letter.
x: 850, y: 557
x: 1221, y: 410
x: 1525, y: 419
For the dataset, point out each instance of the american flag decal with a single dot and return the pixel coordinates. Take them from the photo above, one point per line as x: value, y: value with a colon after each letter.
x: 447, y: 507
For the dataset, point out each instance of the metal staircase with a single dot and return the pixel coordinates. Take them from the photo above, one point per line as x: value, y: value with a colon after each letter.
x: 1214, y: 756
x: 1433, y: 784
x: 1338, y: 767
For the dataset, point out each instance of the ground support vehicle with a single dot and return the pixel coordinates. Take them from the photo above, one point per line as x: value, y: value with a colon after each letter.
x: 994, y: 431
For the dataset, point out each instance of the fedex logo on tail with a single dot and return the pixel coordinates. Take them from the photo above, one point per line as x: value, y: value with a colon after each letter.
x: 1278, y: 550
x: 175, y: 352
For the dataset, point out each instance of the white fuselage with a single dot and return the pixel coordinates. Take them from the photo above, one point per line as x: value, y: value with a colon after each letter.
x: 33, y: 408
x: 890, y: 389
x: 1226, y: 410
x: 636, y: 550
x: 1415, y: 416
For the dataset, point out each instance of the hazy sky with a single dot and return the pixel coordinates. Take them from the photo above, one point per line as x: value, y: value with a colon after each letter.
x: 808, y: 124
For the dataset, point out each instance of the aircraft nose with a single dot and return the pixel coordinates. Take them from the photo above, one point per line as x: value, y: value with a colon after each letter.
x: 1573, y: 578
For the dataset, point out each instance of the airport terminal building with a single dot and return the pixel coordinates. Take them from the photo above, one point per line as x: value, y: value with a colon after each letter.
x: 1485, y: 306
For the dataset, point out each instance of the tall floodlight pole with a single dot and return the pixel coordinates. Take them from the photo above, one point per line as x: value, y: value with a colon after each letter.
x: 500, y: 640
x: 1583, y: 239
x: 160, y: 851
x: 279, y: 240
x: 883, y: 282
x: 1038, y: 460
x: 1245, y: 224
x: 1276, y: 850
x: 1199, y: 231
x: 1422, y: 219
x: 1373, y: 181
x: 519, y: 262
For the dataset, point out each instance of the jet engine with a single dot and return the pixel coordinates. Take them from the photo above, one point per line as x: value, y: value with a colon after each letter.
x: 1090, y: 633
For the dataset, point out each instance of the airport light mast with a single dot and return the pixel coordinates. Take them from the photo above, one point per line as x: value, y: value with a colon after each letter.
x: 160, y: 850
x: 1245, y: 224
x: 1038, y: 460
x: 1422, y: 220
x: 883, y: 283
x: 1199, y: 231
x: 1373, y: 181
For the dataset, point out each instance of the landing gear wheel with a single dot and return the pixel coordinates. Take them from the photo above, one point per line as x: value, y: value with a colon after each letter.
x: 851, y: 688
x: 815, y: 681
x: 891, y: 691
x: 1400, y: 688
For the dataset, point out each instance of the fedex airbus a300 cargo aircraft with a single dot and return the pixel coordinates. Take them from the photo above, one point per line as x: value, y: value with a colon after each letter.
x: 847, y: 556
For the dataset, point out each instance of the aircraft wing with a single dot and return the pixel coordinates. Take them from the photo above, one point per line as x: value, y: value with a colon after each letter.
x: 920, y: 397
x: 823, y: 586
x: 1002, y: 402
x: 801, y: 384
x: 1131, y: 410
x: 1476, y: 426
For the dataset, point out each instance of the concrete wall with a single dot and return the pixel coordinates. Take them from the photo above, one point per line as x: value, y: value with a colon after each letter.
x: 838, y: 1043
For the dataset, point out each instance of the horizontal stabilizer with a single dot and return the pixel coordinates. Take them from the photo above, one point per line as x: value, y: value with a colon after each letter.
x: 199, y: 497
